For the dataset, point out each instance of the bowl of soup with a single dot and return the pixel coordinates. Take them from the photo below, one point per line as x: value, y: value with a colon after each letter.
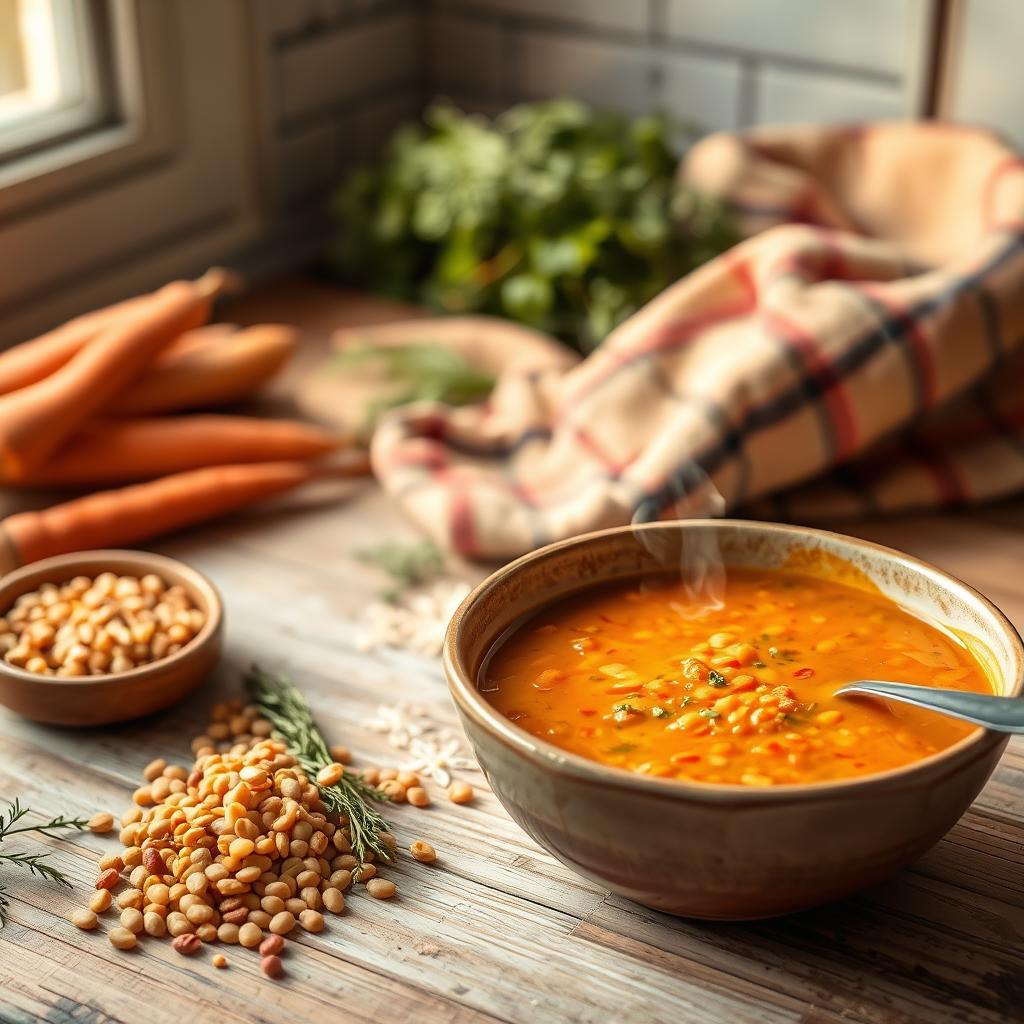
x: 655, y: 706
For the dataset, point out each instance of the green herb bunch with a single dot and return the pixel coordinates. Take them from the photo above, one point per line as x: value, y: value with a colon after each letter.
x: 12, y: 823
x: 554, y: 215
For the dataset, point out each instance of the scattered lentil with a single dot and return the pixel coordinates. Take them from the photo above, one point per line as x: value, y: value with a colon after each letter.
x: 423, y: 852
x: 460, y: 792
x: 417, y: 796
x: 100, y: 901
x: 121, y: 938
x: 84, y: 919
x: 102, y: 822
x: 272, y: 966
x: 187, y: 945
x: 132, y: 919
x: 381, y: 888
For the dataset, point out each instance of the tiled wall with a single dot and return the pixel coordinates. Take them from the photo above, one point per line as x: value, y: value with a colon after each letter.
x: 983, y: 83
x: 341, y: 75
x: 720, y: 63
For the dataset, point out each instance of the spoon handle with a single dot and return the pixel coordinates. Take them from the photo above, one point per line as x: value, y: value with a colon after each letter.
x: 1002, y: 714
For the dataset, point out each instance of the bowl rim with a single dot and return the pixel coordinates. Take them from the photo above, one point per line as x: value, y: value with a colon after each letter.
x: 469, y: 701
x: 196, y: 580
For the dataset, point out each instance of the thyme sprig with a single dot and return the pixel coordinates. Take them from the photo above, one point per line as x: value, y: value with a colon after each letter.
x: 408, y: 565
x: 286, y: 709
x: 36, y: 863
x: 422, y: 371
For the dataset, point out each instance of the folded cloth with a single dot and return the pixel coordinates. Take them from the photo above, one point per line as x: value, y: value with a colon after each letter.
x: 859, y: 352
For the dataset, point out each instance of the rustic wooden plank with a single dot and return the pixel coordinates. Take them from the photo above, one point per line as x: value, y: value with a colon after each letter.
x: 497, y: 930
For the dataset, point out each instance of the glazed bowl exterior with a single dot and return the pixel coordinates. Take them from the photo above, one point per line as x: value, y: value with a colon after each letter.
x: 100, y: 700
x: 725, y: 852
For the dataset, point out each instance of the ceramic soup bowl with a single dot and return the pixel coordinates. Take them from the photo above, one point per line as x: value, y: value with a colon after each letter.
x: 724, y: 852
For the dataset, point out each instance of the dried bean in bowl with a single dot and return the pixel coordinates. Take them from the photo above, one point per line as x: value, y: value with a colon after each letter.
x: 98, y: 626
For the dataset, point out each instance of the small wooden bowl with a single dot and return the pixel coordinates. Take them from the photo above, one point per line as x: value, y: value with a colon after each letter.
x: 100, y: 700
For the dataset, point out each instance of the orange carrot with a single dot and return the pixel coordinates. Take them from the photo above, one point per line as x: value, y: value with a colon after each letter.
x: 115, y: 518
x: 201, y: 369
x: 35, y: 420
x: 31, y: 361
x: 116, y: 451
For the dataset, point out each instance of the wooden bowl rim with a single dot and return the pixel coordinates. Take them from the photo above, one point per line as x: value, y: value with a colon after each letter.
x: 555, y: 760
x: 60, y: 568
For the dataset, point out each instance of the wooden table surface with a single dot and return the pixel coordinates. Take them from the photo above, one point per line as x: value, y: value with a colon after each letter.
x: 497, y: 930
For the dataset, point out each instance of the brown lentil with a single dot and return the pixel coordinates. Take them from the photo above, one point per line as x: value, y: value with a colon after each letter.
x: 84, y: 919
x: 121, y: 938
x: 311, y: 920
x: 283, y: 923
x: 423, y: 852
x: 393, y: 789
x: 381, y: 888
x: 334, y: 900
x: 132, y: 920
x: 460, y: 792
x: 271, y: 966
x: 154, y: 924
x: 417, y: 796
x: 330, y: 774
x: 187, y: 945
x: 108, y: 879
x: 102, y: 822
x: 100, y: 901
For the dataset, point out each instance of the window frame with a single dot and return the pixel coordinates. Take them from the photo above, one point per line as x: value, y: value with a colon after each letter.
x: 170, y: 184
x: 79, y: 39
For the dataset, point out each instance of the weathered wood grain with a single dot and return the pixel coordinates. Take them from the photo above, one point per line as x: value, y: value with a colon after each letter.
x: 497, y: 930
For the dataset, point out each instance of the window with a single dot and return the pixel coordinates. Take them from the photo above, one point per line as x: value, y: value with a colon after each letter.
x: 127, y: 140
x: 51, y: 87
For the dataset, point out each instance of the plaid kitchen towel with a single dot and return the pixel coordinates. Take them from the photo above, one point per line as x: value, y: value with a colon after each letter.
x: 860, y: 351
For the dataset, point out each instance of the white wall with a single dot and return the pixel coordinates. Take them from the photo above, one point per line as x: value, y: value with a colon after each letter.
x: 721, y: 63
x: 984, y: 83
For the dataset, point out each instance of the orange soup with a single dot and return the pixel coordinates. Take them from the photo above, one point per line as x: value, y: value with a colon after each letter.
x: 634, y: 675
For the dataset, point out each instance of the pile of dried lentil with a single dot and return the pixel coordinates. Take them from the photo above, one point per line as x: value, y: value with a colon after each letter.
x: 239, y: 850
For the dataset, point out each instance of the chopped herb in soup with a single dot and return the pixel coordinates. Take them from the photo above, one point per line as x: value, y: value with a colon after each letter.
x: 631, y: 675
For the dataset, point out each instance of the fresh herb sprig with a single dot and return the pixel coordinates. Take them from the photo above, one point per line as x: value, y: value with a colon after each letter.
x: 421, y: 372
x: 286, y: 709
x: 408, y: 565
x: 36, y: 863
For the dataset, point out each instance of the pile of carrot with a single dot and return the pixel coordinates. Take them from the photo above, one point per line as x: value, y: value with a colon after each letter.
x: 110, y: 398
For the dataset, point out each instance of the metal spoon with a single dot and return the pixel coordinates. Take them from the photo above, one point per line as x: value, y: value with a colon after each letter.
x: 1002, y: 714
